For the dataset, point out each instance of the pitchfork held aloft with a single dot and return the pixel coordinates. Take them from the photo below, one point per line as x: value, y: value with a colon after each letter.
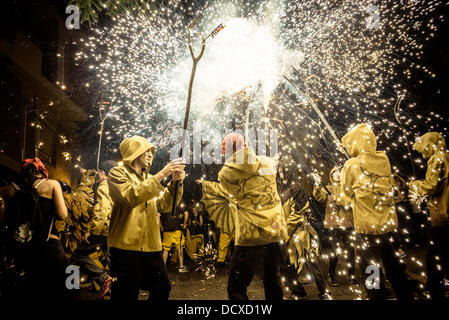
x: 195, y: 60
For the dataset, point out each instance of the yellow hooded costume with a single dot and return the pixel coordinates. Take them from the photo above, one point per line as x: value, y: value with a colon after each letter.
x: 303, y: 238
x: 250, y: 182
x: 137, y: 199
x: 335, y: 216
x: 79, y: 218
x: 367, y: 180
x: 102, y: 210
x: 433, y: 147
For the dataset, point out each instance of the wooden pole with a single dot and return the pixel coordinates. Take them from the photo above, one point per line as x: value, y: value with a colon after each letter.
x: 195, y: 60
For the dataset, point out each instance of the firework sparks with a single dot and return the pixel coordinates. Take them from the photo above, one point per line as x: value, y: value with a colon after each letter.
x: 206, y: 261
x: 416, y: 198
x: 143, y: 64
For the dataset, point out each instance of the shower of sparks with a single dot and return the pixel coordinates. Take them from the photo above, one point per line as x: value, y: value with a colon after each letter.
x: 416, y: 198
x: 206, y: 261
x: 356, y: 66
x: 356, y: 57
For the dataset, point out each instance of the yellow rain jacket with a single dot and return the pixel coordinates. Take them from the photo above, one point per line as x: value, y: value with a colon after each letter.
x: 102, y: 210
x: 334, y: 217
x: 79, y: 218
x: 367, y: 180
x: 251, y: 182
x: 433, y: 147
x: 303, y: 238
x: 137, y: 199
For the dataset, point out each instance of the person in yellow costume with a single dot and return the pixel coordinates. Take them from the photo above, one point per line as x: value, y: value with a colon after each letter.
x: 173, y: 228
x: 303, y: 240
x: 134, y: 239
x: 221, y: 210
x: 104, y: 203
x: 339, y: 223
x: 432, y: 146
x: 99, y: 230
x: 79, y: 203
x: 260, y: 225
x: 367, y: 180
x: 223, y: 246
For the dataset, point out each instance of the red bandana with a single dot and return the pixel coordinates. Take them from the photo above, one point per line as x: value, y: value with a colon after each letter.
x: 236, y: 140
x: 38, y: 165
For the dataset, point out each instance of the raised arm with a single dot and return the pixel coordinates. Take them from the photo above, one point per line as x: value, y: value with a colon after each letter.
x: 58, y: 198
x: 123, y: 190
x: 347, y: 180
x: 433, y: 176
x: 319, y: 194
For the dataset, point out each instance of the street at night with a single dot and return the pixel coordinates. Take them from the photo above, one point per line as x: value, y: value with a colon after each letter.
x: 282, y: 151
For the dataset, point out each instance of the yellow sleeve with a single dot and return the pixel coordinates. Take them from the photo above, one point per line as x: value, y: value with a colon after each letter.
x: 342, y: 199
x: 319, y: 194
x: 430, y: 184
x: 103, y: 207
x: 230, y: 188
x: 165, y: 200
x: 214, y: 188
x: 347, y: 180
x: 124, y: 191
x: 295, y: 218
x: 288, y: 207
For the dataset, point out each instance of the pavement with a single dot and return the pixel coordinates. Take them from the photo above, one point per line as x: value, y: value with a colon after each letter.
x: 194, y: 285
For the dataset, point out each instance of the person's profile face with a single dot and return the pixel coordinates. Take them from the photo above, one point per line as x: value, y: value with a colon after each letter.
x: 145, y: 159
x: 336, y: 176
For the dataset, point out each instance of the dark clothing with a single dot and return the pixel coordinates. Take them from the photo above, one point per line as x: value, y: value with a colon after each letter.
x: 138, y: 270
x: 87, y: 265
x: 440, y: 247
x: 195, y: 227
x: 419, y: 226
x: 46, y: 272
x: 380, y: 249
x: 172, y: 223
x: 44, y: 262
x: 289, y: 272
x: 47, y: 207
x: 290, y: 275
x: 243, y: 266
x: 341, y: 239
x: 404, y: 214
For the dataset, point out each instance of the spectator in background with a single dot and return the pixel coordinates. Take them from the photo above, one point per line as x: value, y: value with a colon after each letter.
x: 195, y: 234
x: 34, y: 207
x: 173, y: 228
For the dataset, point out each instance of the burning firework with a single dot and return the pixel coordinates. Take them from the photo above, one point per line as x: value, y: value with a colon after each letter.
x: 206, y: 261
x: 416, y: 198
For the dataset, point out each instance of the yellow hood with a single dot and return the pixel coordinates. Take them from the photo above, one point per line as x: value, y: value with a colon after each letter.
x: 132, y: 148
x: 331, y: 178
x: 244, y: 161
x: 429, y: 144
x: 361, y: 139
x: 88, y: 178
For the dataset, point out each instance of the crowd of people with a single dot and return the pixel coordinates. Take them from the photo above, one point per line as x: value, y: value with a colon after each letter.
x: 119, y: 225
